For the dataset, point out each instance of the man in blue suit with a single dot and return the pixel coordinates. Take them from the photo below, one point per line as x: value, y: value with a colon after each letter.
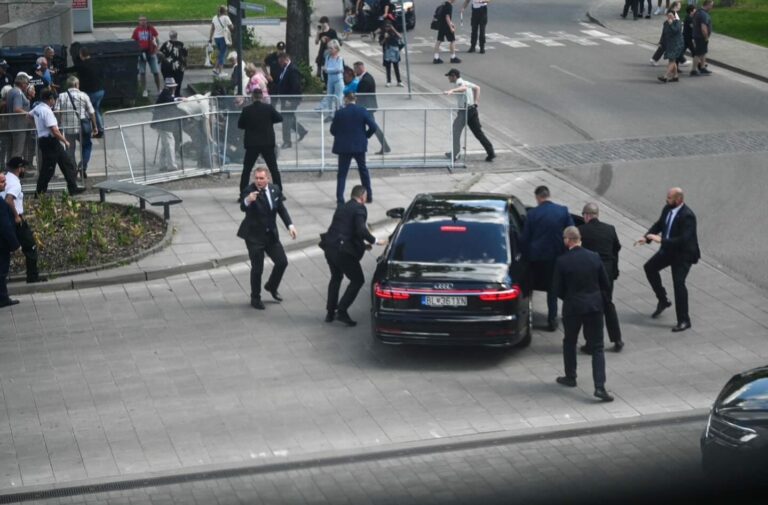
x: 351, y: 128
x: 8, y: 244
x: 543, y: 242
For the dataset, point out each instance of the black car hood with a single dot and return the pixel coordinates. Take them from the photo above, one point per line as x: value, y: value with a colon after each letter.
x: 482, y: 272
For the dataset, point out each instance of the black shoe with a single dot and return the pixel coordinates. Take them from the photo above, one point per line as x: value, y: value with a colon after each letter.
x: 681, y: 327
x: 623, y: 16
x: 76, y: 191
x: 704, y: 71
x: 471, y: 50
x: 618, y: 346
x: 38, y: 278
x: 662, y: 78
x: 674, y: 79
x: 648, y: 16
x: 437, y: 61
x: 660, y: 307
x: 694, y: 73
x: 384, y: 150
x: 330, y: 316
x: 566, y: 381
x: 302, y: 135
x: 274, y: 294
x: 343, y: 317
x: 448, y: 155
x: 9, y: 302
x: 490, y: 157
x: 585, y: 349
x: 455, y: 60
x: 256, y: 303
x: 552, y: 325
x: 286, y: 145
x: 603, y: 395
x: 482, y: 50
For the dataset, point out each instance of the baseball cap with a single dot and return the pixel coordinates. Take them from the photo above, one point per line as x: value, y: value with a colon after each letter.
x: 454, y: 72
x: 23, y: 75
x: 16, y: 162
x: 4, y: 64
x: 281, y: 45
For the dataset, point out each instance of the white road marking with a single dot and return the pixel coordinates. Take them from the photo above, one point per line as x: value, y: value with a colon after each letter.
x: 566, y: 72
x: 595, y: 33
x: 513, y: 43
x: 618, y: 41
x: 582, y: 41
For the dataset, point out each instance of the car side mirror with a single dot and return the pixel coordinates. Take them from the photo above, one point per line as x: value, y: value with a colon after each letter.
x: 396, y: 213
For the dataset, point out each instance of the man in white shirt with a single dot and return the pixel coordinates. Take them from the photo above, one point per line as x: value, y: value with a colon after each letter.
x: 479, y: 20
x: 78, y: 121
x: 14, y: 197
x: 469, y: 95
x: 49, y: 139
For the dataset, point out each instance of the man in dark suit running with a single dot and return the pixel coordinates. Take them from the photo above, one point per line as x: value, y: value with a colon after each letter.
x: 580, y: 281
x: 601, y: 238
x: 366, y: 97
x: 675, y: 231
x: 344, y: 244
x: 262, y: 202
x: 290, y: 89
x: 257, y: 120
x: 351, y: 128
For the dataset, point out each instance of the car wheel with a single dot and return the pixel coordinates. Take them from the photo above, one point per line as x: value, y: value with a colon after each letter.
x: 528, y: 332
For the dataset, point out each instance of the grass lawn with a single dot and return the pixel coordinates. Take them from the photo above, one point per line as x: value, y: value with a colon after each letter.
x: 746, y: 20
x: 111, y: 11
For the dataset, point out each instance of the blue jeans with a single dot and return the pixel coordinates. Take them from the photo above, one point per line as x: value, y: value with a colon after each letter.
x: 96, y: 98
x: 335, y: 88
x: 221, y: 45
x: 86, y: 143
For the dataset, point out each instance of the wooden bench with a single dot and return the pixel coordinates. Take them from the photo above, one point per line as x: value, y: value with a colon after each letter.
x: 155, y: 196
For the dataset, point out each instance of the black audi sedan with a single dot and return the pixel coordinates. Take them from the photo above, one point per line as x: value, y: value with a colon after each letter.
x: 736, y: 436
x: 453, y: 273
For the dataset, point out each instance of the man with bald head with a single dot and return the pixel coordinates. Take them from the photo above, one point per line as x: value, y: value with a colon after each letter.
x: 675, y: 232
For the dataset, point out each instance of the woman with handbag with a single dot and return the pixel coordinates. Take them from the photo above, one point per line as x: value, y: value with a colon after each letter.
x: 221, y: 33
x: 391, y: 43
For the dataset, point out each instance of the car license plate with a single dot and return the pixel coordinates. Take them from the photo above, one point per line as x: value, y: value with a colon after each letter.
x: 444, y: 301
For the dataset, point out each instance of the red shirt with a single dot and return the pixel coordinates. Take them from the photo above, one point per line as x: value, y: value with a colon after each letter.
x: 146, y: 38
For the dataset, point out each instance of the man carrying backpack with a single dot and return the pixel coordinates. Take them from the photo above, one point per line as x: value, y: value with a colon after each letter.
x: 446, y: 30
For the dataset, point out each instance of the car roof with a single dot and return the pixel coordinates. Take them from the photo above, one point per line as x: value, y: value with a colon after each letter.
x: 466, y: 206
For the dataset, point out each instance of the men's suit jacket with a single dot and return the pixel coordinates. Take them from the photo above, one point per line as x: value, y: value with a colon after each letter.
x: 290, y: 84
x: 348, y: 231
x: 257, y: 120
x: 8, y: 240
x: 601, y: 238
x: 261, y: 221
x: 351, y: 128
x: 580, y: 281
x: 367, y: 85
x: 683, y: 242
x: 543, y: 231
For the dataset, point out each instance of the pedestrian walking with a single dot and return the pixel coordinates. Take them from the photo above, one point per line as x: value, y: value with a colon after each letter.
x: 690, y: 11
x: 147, y: 37
x: 14, y: 197
x: 702, y: 30
x: 17, y: 103
x: 334, y: 68
x: 542, y: 240
x: 49, y: 140
x: 91, y: 75
x: 478, y: 22
x: 630, y: 5
x: 601, y: 238
x: 391, y: 43
x: 174, y: 60
x: 580, y: 281
x: 221, y: 33
x: 467, y: 114
x: 8, y: 244
x: 366, y: 97
x: 446, y: 31
x: 78, y: 121
x: 351, y: 128
x: 289, y: 89
x: 324, y: 35
x: 272, y: 63
x: 258, y: 120
x: 672, y: 36
x: 675, y: 232
x: 262, y: 203
x: 166, y: 128
x: 344, y: 245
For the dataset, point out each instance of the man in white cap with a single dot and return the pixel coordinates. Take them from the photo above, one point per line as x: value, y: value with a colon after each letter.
x: 165, y: 127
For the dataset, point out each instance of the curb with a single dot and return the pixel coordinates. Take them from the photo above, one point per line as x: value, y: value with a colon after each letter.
x: 350, y: 456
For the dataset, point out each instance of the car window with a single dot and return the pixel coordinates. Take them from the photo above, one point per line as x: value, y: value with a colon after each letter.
x: 451, y: 241
x: 746, y: 394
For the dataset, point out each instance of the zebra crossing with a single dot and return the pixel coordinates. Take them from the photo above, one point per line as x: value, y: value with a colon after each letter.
x: 495, y: 41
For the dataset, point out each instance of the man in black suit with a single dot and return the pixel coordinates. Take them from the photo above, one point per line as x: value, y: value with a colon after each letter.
x: 289, y: 87
x: 581, y: 282
x: 271, y: 61
x: 344, y: 244
x: 259, y: 139
x: 601, y: 238
x: 262, y: 202
x: 675, y: 231
x: 366, y: 97
x: 8, y: 244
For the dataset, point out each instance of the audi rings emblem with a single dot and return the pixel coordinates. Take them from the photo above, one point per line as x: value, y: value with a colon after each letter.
x: 444, y: 285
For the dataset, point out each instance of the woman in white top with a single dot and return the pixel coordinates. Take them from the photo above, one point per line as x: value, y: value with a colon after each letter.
x: 221, y: 33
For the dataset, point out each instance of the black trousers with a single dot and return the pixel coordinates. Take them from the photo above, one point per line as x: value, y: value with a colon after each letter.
x: 342, y: 264
x: 29, y: 248
x: 274, y: 249
x: 5, y: 266
x: 611, y: 318
x: 479, y: 20
x: 593, y: 333
x: 345, y: 161
x: 629, y: 4
x: 472, y: 119
x: 290, y: 123
x: 251, y: 155
x: 53, y: 153
x: 680, y: 269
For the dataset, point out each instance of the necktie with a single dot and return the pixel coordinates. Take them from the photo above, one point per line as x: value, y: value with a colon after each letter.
x: 669, y: 224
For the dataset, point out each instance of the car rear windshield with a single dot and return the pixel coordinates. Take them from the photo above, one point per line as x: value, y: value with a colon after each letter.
x: 750, y: 394
x: 451, y: 242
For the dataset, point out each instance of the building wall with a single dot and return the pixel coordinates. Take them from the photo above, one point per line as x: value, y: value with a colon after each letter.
x: 35, y: 22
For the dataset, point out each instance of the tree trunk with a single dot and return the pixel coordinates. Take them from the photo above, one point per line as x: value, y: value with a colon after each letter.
x: 297, y: 30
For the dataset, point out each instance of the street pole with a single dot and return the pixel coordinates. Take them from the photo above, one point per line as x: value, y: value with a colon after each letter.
x: 405, y: 45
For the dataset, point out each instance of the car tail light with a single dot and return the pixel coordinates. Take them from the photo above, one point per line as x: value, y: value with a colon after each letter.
x: 453, y: 229
x: 500, y: 296
x: 389, y: 294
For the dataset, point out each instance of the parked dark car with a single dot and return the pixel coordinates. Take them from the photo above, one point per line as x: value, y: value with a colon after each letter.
x: 735, y: 439
x: 368, y: 20
x: 453, y: 273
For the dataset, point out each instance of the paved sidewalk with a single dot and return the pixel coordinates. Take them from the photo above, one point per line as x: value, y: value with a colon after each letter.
x: 733, y: 54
